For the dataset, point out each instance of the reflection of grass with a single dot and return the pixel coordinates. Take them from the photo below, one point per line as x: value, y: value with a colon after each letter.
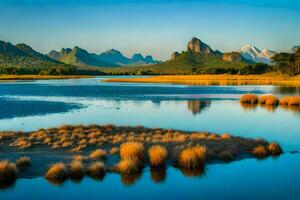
x: 158, y: 175
x: 267, y: 79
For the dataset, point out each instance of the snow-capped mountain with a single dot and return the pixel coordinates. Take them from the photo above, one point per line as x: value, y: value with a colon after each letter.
x: 250, y: 52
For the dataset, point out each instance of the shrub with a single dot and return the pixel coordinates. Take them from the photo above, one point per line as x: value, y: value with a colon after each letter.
x: 57, y: 172
x: 132, y: 150
x: 274, y: 149
x: 157, y: 155
x: 192, y: 157
x: 8, y: 172
x: 249, y: 99
x: 96, y: 170
x: 98, y: 153
x: 76, y: 169
x: 129, y: 166
x: 260, y: 152
x: 268, y: 100
x: 23, y: 162
x: 290, y: 101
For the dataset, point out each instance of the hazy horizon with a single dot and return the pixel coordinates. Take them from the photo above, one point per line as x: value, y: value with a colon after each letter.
x: 154, y: 27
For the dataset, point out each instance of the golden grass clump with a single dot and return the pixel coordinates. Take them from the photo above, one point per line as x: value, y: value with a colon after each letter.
x: 23, y: 162
x: 76, y: 169
x: 57, y: 172
x: 157, y: 155
x: 132, y: 150
x: 226, y: 136
x: 96, y: 170
x: 98, y: 154
x: 192, y: 157
x: 249, y: 99
x: 260, y: 152
x: 268, y: 100
x: 8, y: 171
x: 114, y: 150
x: 290, y: 101
x: 128, y: 166
x: 274, y: 149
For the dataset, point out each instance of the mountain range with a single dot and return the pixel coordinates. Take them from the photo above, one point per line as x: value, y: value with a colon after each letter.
x: 110, y: 58
x: 251, y: 52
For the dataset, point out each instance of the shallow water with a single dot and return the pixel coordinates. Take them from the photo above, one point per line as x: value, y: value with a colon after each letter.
x: 29, y: 105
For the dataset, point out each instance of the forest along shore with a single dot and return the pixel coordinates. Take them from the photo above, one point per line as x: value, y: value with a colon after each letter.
x: 40, y: 77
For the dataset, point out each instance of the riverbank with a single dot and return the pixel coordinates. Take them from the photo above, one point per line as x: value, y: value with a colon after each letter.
x: 40, y: 77
x: 125, y: 150
x: 266, y: 79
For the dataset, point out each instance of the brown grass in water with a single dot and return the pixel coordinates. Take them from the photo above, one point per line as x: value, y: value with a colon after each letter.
x: 8, y: 172
x: 268, y: 100
x: 249, y: 99
x: 290, y: 101
x: 132, y: 150
x: 275, y: 149
x: 76, y: 169
x: 128, y: 166
x: 57, y: 172
x: 260, y: 152
x: 23, y: 162
x: 98, y: 154
x: 157, y: 155
x: 192, y: 157
x: 96, y: 170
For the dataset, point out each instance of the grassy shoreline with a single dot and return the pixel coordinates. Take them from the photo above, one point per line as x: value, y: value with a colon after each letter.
x: 40, y: 77
x: 94, y: 150
x: 265, y: 79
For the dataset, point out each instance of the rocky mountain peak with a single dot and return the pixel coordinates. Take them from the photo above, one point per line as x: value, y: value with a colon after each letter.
x: 196, y: 45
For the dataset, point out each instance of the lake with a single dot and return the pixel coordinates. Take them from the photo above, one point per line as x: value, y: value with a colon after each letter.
x: 30, y: 105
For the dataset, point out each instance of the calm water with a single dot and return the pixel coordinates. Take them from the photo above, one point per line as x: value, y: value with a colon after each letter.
x: 40, y: 104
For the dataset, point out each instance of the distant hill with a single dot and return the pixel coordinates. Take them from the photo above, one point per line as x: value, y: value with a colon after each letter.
x: 251, y: 52
x: 109, y: 58
x: 22, y: 59
x: 199, y: 58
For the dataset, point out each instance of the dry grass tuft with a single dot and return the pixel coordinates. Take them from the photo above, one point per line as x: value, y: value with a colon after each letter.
x: 274, y: 149
x: 8, y: 172
x: 226, y: 136
x: 157, y: 155
x: 98, y: 154
x: 192, y: 157
x: 96, y: 170
x: 249, y: 99
x: 57, y: 172
x: 76, y: 169
x: 129, y: 166
x: 132, y: 150
x: 268, y: 100
x: 290, y: 101
x: 23, y: 162
x: 260, y: 152
x: 114, y: 150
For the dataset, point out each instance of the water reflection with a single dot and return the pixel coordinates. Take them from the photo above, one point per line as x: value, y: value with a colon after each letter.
x: 249, y: 107
x: 287, y: 90
x: 130, y: 179
x: 197, y: 106
x: 7, y: 185
x: 197, y: 172
x: 158, y: 175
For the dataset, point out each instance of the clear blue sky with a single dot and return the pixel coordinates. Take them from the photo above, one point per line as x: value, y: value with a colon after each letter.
x: 154, y: 27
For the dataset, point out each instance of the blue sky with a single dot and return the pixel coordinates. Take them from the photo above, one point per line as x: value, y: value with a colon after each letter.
x: 154, y: 27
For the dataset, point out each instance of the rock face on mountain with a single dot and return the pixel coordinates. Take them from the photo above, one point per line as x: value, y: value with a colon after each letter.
x: 109, y: 58
x: 196, y: 45
x: 175, y: 55
x: 232, y: 56
x: 250, y: 52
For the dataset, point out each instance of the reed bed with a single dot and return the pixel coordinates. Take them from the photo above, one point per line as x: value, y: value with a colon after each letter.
x: 266, y: 79
x: 268, y: 100
x: 249, y: 99
x: 131, y: 148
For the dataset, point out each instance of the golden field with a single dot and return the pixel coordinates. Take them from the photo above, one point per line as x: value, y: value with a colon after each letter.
x: 265, y: 79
